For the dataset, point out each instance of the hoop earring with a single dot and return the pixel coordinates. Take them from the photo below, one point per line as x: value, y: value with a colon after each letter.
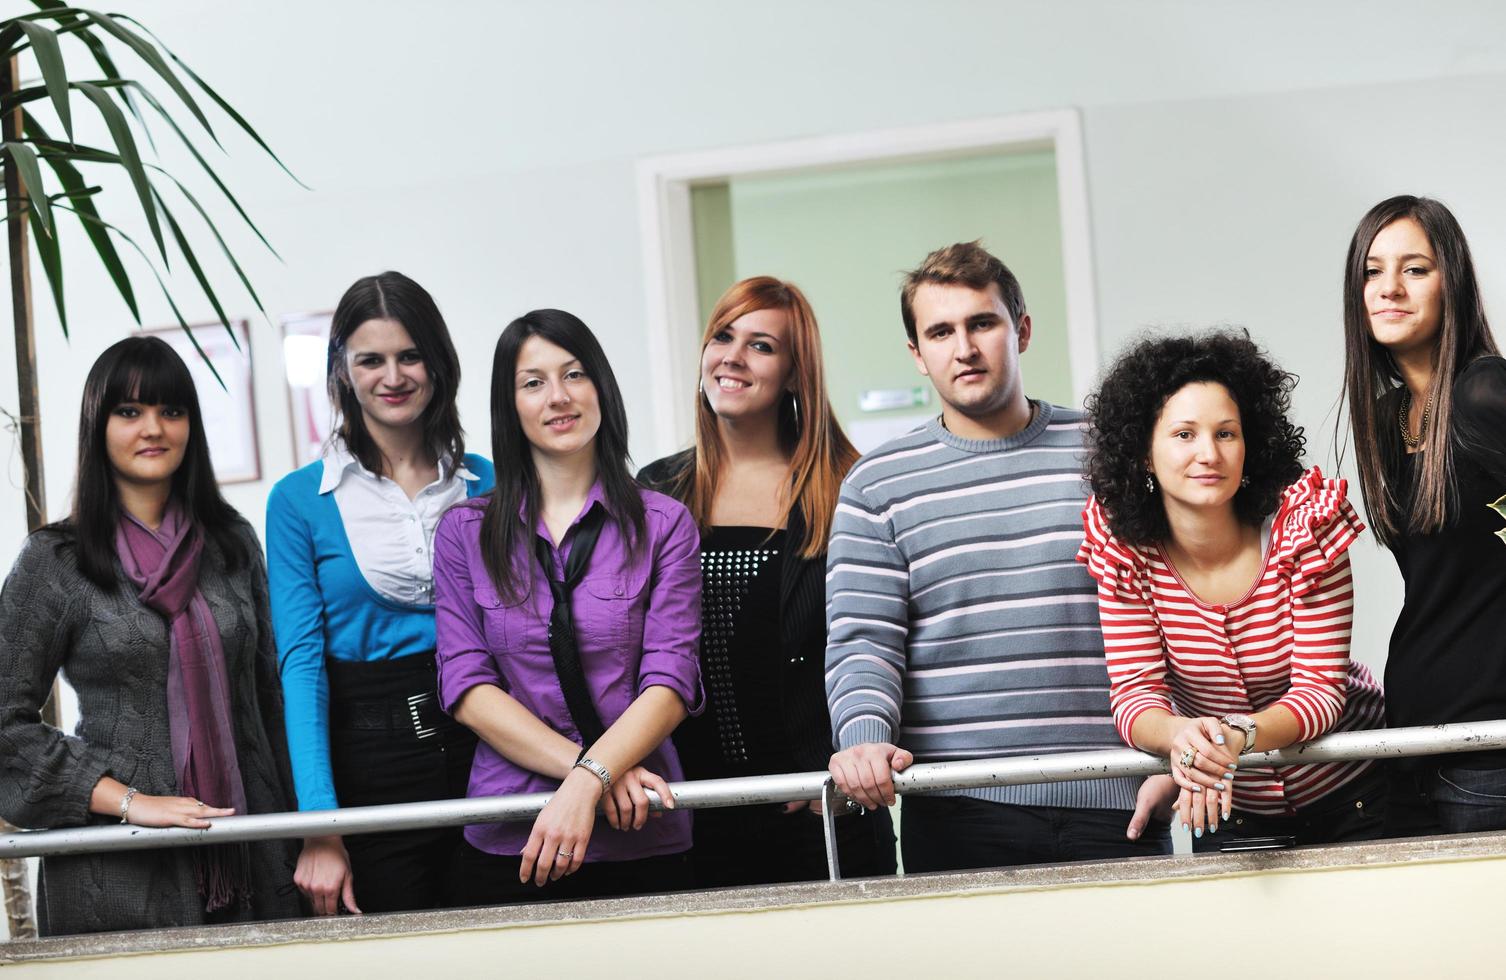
x: 1150, y: 482
x: 795, y: 410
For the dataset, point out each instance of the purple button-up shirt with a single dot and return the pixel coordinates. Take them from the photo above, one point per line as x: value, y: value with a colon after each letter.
x: 637, y: 622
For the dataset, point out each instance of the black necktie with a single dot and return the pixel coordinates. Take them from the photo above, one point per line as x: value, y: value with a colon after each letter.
x: 562, y: 645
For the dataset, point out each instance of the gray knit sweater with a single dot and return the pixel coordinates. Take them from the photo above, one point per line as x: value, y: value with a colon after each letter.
x: 960, y: 625
x: 114, y: 653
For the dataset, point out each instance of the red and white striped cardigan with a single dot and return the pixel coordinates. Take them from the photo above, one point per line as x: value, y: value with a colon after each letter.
x: 1284, y: 643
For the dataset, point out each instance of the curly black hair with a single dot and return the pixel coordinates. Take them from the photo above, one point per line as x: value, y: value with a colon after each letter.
x: 1123, y: 412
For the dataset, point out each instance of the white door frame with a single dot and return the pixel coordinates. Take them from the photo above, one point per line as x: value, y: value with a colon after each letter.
x: 664, y: 184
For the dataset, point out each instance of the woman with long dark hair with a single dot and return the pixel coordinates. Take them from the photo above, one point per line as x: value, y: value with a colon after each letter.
x: 761, y: 482
x: 349, y: 542
x: 1426, y: 388
x: 152, y: 600
x: 1224, y: 590
x: 568, y: 614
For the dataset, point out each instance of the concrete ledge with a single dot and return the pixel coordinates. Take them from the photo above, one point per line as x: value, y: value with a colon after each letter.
x: 767, y: 898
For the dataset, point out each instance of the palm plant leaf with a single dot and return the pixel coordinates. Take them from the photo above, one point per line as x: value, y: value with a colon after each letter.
x: 194, y: 267
x: 54, y: 75
x: 73, y: 182
x: 75, y: 25
x: 166, y: 293
x: 115, y: 97
x: 120, y: 132
x: 25, y: 160
x: 225, y: 107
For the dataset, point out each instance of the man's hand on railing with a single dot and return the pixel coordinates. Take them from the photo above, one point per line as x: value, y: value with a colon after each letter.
x: 324, y: 876
x: 1154, y: 802
x: 865, y: 773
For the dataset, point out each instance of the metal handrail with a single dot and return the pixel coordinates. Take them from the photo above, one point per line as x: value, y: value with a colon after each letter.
x: 749, y: 790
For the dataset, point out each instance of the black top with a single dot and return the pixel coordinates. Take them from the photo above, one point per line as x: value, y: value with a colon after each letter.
x: 740, y: 732
x: 1447, y: 660
x: 780, y: 694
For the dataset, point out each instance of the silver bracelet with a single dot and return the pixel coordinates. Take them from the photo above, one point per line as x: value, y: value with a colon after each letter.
x: 599, y: 771
x: 125, y: 804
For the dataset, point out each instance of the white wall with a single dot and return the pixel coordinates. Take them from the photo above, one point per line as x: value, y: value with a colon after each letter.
x: 488, y: 150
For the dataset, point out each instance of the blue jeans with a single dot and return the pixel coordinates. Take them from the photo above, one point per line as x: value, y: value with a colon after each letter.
x: 1470, y: 800
x: 1430, y: 799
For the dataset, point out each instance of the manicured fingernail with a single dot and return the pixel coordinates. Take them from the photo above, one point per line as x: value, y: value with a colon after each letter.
x: 1226, y: 814
x: 1198, y: 832
x: 1197, y: 789
x: 1184, y: 828
x: 1233, y: 765
x: 1228, y: 775
x: 1213, y: 828
x: 1219, y: 739
x: 1218, y: 786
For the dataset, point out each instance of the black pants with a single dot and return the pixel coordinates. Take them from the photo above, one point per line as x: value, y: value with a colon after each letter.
x: 1353, y: 812
x: 391, y: 743
x: 480, y: 878
x: 956, y: 833
x: 762, y: 845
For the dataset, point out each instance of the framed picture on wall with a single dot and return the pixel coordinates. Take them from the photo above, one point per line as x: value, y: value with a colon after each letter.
x: 229, y: 411
x: 305, y: 338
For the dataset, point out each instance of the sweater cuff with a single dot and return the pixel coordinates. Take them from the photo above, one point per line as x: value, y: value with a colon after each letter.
x: 865, y: 729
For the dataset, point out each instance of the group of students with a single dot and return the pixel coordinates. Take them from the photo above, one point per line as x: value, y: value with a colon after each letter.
x: 430, y: 625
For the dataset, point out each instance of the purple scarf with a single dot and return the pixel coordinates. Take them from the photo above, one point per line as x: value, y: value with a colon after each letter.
x: 164, y: 566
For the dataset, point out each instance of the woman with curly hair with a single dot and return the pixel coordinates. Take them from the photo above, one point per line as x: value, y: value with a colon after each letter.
x: 1426, y: 387
x: 1224, y: 590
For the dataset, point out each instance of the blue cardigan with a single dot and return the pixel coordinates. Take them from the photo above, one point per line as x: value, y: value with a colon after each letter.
x: 322, y: 606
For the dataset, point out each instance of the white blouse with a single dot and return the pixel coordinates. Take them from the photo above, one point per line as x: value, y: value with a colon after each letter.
x: 391, y: 537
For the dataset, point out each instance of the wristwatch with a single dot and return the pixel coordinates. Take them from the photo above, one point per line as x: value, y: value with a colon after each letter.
x: 1245, y: 724
x: 598, y: 770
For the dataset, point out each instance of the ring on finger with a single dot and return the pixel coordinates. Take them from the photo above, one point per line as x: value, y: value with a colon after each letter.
x: 1189, y: 756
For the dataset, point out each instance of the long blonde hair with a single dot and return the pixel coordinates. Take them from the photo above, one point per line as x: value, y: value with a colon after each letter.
x: 820, y: 452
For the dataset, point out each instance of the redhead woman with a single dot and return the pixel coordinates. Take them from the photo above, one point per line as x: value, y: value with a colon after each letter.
x: 349, y: 548
x: 1224, y: 591
x: 568, y: 614
x: 151, y: 600
x: 761, y: 481
x: 1426, y: 388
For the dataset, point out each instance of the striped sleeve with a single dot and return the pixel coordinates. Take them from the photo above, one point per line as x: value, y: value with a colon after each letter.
x: 1322, y: 619
x: 867, y: 619
x: 1131, y: 633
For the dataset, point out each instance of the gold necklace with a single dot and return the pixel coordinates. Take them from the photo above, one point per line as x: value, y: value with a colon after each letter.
x: 1403, y: 418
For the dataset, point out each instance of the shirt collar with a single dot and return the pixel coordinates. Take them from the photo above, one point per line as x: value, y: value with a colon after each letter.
x: 338, y: 461
x: 596, y: 496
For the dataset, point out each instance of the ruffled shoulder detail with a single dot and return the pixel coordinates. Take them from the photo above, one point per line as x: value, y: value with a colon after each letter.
x: 1109, y: 560
x: 1314, y: 526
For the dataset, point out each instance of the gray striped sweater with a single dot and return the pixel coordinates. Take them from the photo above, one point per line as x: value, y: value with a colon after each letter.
x: 957, y: 614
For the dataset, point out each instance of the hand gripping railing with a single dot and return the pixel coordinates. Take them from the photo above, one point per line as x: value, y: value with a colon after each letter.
x: 751, y: 790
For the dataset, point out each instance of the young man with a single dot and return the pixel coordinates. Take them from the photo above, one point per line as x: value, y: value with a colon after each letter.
x: 960, y: 625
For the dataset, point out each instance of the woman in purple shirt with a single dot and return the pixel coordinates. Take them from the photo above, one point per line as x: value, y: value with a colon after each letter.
x: 568, y: 617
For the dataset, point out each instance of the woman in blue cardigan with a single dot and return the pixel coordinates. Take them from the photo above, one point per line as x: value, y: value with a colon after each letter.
x: 348, y: 557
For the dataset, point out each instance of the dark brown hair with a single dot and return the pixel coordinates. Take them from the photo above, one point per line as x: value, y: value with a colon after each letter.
x: 963, y: 264
x: 393, y: 296
x: 820, y: 452
x: 149, y: 371
x: 507, y: 539
x: 1370, y: 374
